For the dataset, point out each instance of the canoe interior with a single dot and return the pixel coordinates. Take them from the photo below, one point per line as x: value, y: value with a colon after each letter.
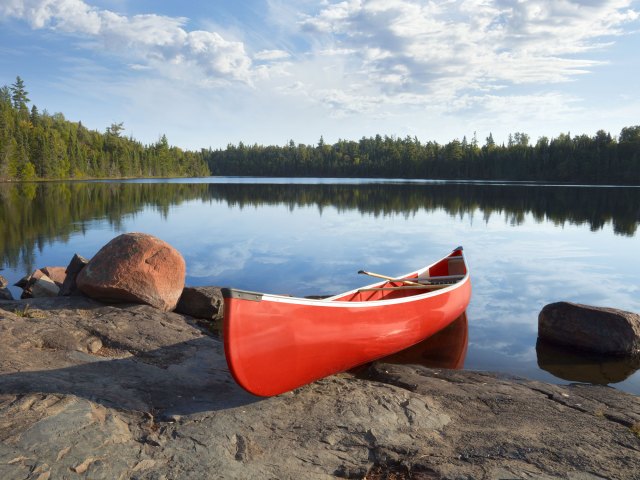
x: 442, y: 274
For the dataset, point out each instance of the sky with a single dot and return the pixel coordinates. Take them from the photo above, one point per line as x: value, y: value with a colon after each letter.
x: 215, y: 72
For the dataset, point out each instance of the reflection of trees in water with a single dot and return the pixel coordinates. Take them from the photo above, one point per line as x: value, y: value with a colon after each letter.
x: 34, y: 214
x: 592, y: 206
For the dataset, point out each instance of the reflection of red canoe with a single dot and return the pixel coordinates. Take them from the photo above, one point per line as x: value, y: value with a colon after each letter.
x: 445, y: 349
x: 275, y: 343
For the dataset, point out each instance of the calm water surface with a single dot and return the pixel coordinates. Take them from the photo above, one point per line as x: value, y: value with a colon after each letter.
x: 527, y: 245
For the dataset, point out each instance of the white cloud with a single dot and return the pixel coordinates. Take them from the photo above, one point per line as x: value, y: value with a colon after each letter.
x: 153, y: 40
x: 418, y: 46
x: 390, y: 46
x: 271, y: 55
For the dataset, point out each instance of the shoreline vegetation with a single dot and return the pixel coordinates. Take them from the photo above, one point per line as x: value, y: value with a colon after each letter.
x: 37, y: 145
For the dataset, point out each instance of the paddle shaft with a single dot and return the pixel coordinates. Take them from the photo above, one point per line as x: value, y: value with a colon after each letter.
x: 408, y: 287
x: 391, y: 279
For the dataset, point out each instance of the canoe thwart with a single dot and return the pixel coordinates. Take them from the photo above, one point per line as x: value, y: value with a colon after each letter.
x: 433, y: 286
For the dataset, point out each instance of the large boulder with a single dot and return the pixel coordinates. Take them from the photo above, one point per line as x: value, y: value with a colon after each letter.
x: 596, y: 329
x: 135, y: 267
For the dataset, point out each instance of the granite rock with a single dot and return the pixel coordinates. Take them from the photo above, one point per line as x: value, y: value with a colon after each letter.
x: 5, y: 293
x: 135, y: 267
x: 201, y: 302
x: 69, y: 286
x: 156, y: 400
x: 596, y: 329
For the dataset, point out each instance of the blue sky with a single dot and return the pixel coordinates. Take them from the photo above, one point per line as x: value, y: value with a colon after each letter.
x: 222, y: 71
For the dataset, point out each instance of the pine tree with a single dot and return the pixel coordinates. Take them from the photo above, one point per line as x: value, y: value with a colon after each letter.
x: 19, y: 95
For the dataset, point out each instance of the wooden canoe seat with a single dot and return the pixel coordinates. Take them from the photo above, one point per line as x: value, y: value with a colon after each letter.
x: 442, y: 279
x: 457, y: 268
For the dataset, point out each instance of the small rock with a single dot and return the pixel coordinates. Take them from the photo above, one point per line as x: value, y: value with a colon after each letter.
x: 23, y: 282
x: 93, y: 344
x: 135, y: 267
x: 5, y: 294
x: 596, y: 329
x: 38, y: 285
x: 201, y: 302
x: 57, y: 274
x: 69, y: 286
x: 43, y: 286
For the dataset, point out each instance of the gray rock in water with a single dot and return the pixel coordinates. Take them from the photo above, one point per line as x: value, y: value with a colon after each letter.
x: 201, y: 302
x: 157, y: 401
x: 596, y: 329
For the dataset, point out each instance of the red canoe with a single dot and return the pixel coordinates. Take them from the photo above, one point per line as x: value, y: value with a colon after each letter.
x: 276, y: 343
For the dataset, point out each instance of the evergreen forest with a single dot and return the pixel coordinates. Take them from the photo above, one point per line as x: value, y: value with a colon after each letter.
x: 36, y: 145
x: 601, y: 159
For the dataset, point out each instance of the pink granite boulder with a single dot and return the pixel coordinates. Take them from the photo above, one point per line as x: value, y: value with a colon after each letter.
x: 135, y: 267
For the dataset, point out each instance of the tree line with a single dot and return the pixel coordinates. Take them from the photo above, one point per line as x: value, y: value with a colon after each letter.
x: 38, y: 145
x: 581, y: 159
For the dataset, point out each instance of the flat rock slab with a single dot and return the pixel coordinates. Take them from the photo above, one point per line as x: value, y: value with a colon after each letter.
x: 154, y: 400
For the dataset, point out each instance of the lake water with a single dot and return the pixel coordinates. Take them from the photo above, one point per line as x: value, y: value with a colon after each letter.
x: 527, y: 245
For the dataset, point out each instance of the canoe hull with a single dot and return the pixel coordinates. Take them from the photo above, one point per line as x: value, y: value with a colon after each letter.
x: 274, y: 344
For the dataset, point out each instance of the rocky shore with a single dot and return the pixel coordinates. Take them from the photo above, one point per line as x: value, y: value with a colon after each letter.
x: 90, y: 390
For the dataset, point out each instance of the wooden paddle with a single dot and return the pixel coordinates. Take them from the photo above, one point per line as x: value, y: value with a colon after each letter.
x: 408, y: 287
x: 391, y: 279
